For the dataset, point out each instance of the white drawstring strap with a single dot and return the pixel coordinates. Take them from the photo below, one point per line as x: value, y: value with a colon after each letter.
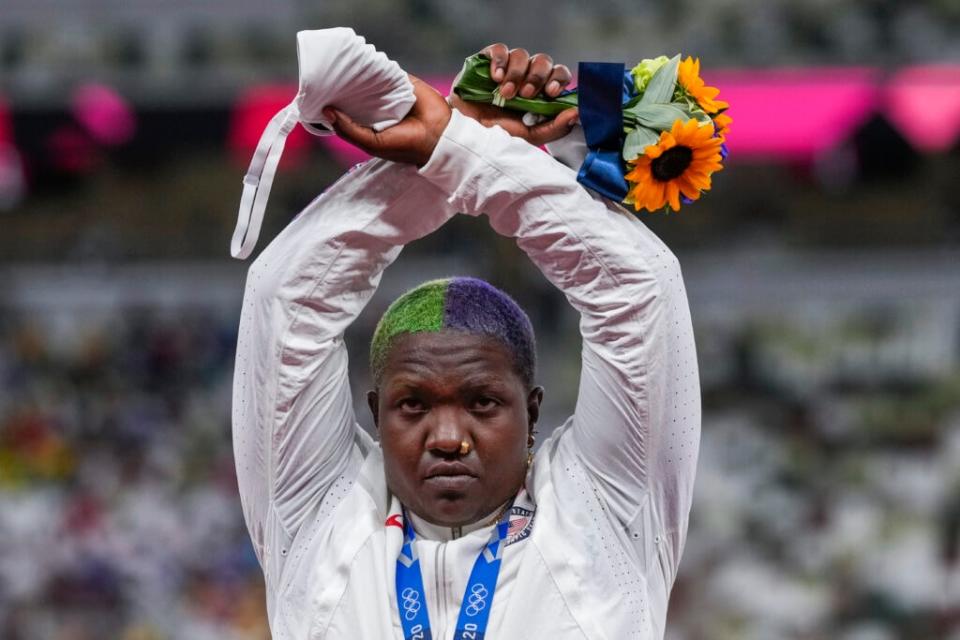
x: 259, y: 179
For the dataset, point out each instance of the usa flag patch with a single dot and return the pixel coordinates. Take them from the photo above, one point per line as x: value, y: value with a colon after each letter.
x: 521, y: 524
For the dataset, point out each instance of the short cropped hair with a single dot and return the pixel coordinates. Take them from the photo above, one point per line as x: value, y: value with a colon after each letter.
x: 463, y: 304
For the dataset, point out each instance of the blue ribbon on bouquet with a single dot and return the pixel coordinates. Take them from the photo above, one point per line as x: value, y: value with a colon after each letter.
x: 603, y: 88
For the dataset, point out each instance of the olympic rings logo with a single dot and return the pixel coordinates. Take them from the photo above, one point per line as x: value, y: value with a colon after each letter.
x: 411, y: 603
x: 477, y: 600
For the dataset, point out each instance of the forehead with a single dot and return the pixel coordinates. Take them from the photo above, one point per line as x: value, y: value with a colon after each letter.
x: 447, y: 355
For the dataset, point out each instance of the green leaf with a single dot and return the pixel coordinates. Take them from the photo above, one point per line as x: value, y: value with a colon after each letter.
x: 544, y: 106
x: 474, y: 84
x: 661, y: 85
x: 659, y: 117
x: 473, y: 81
x: 637, y: 141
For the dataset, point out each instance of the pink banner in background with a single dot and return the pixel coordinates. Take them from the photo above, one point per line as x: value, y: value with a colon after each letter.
x: 794, y: 113
x: 924, y: 103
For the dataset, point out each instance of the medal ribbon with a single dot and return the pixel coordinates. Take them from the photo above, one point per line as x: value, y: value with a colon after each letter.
x: 603, y: 88
x: 477, y: 597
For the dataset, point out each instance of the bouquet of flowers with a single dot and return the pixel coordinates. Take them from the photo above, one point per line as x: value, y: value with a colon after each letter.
x: 655, y: 132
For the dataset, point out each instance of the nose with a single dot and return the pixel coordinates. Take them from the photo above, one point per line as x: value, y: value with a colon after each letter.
x: 446, y: 432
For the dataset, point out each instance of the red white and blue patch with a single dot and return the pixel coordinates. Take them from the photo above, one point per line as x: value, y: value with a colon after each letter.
x: 521, y: 524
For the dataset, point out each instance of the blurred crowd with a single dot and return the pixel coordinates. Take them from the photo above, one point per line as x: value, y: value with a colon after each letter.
x: 827, y: 502
x: 193, y: 52
x: 119, y: 512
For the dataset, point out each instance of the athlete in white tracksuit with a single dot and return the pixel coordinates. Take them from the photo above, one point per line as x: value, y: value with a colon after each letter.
x: 596, y: 534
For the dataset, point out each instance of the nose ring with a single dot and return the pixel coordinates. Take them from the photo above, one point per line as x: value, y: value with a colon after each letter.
x: 464, y: 447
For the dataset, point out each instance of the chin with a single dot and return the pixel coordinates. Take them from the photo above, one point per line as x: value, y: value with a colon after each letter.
x: 449, y: 511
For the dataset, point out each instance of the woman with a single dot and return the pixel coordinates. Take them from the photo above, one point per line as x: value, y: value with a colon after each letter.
x: 447, y: 527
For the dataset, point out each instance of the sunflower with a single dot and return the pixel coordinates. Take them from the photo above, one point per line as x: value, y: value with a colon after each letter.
x: 680, y: 162
x: 722, y: 122
x: 688, y: 76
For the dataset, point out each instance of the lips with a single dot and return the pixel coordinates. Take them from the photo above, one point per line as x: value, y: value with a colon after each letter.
x: 448, y: 470
x: 450, y: 484
x: 450, y: 477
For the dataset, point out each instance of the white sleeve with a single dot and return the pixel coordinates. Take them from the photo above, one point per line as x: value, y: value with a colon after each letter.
x: 294, y: 431
x: 636, y: 427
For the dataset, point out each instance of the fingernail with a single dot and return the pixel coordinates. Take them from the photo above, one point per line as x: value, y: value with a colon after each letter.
x: 528, y: 91
x: 330, y: 114
x: 553, y: 86
x: 508, y: 89
x: 498, y: 74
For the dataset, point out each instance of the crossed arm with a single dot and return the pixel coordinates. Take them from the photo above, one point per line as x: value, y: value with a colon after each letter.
x: 295, y: 434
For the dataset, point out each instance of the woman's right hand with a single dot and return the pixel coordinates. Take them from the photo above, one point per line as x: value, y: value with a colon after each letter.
x: 411, y: 140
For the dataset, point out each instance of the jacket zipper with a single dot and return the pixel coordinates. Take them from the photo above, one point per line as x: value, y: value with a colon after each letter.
x: 439, y: 577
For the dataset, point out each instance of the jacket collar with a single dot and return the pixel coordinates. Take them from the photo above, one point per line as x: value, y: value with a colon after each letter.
x: 431, y: 531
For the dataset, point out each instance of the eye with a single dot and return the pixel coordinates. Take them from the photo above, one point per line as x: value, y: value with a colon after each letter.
x: 484, y: 404
x: 411, y: 405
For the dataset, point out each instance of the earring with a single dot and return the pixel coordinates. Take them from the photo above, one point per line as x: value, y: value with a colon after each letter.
x: 531, y: 440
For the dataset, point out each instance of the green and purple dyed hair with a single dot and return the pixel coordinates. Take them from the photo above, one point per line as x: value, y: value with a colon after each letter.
x: 458, y: 304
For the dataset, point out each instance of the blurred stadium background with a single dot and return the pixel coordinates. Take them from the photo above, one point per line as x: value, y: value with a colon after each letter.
x: 822, y: 271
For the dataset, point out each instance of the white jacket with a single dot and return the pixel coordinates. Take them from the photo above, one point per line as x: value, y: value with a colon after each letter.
x: 608, y: 498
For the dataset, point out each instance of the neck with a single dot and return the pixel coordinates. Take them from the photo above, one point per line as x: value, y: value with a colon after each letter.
x: 443, y: 533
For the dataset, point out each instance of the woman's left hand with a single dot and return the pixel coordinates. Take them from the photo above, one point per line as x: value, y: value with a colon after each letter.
x: 519, y: 73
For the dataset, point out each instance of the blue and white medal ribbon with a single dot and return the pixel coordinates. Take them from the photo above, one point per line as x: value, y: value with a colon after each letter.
x: 477, y: 597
